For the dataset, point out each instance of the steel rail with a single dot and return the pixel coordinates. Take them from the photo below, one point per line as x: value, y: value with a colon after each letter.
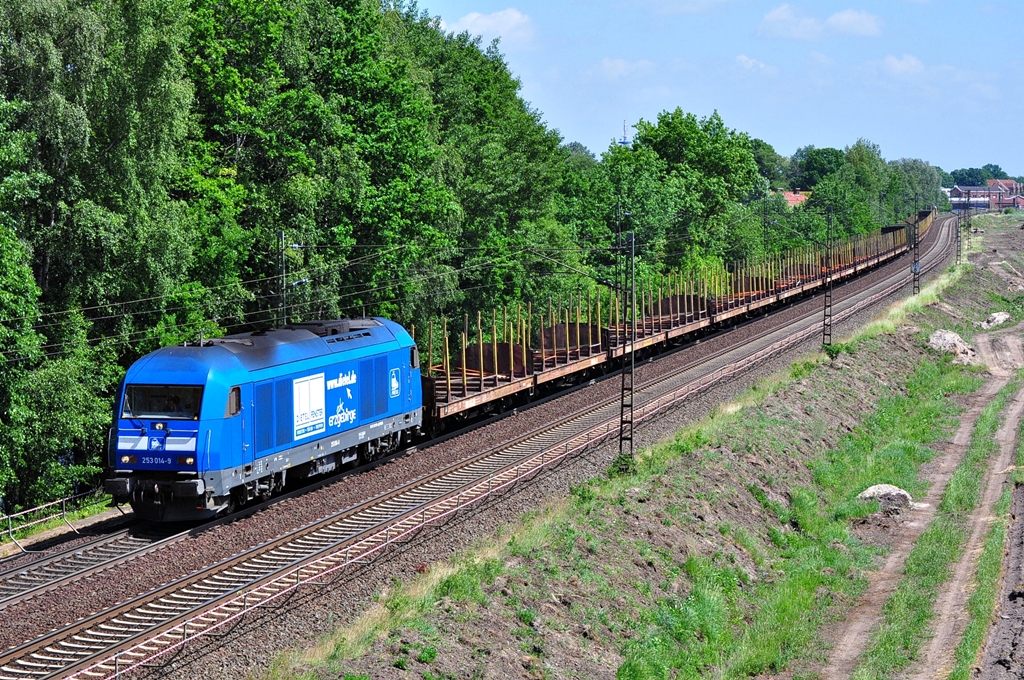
x: 18, y: 583
x: 265, y: 574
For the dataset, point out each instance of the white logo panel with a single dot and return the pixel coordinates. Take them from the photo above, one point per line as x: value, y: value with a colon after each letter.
x: 308, y: 404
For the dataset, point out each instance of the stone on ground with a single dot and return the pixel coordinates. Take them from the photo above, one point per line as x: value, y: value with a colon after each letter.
x: 997, y: 319
x: 950, y: 342
x: 891, y: 498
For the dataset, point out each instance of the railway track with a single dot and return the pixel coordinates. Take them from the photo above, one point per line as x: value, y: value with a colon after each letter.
x: 55, y: 570
x: 162, y: 620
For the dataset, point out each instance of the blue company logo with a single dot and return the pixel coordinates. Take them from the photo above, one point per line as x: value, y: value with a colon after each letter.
x: 155, y: 444
x: 396, y: 385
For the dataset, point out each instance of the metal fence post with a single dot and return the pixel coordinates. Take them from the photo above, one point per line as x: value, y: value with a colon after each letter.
x: 64, y: 513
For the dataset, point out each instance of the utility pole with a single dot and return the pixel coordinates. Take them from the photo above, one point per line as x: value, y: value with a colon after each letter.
x: 960, y: 242
x: 826, y: 324
x: 969, y: 221
x: 628, y: 279
x: 284, y: 280
x: 915, y: 268
x: 764, y: 219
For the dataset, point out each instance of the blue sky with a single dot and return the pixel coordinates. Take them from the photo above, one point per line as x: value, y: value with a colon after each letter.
x: 932, y: 79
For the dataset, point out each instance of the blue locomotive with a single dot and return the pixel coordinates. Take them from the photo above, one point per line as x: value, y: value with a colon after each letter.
x: 201, y: 429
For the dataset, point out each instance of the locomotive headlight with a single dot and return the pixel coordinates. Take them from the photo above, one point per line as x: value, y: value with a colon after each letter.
x: 183, y: 460
x: 125, y: 459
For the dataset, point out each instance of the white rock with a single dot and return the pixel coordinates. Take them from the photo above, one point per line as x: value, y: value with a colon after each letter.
x: 950, y: 342
x: 997, y: 319
x: 888, y: 496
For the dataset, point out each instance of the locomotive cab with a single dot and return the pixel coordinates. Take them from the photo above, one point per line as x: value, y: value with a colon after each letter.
x: 176, y: 419
x: 204, y: 428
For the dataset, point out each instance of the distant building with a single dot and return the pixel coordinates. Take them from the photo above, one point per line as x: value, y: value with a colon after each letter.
x: 1008, y: 186
x: 976, y: 198
x: 1001, y: 202
x: 795, y: 198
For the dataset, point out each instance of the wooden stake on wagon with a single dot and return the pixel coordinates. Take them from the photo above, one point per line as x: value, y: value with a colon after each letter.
x: 447, y: 366
x: 430, y: 350
x: 568, y: 329
x: 543, y: 349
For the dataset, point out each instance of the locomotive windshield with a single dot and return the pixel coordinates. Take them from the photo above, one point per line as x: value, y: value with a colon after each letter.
x: 173, y: 402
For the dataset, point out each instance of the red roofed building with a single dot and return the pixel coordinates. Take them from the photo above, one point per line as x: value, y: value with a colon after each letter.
x: 795, y: 198
x: 1007, y: 186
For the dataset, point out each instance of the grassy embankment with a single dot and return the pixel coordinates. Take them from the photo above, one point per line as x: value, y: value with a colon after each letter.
x: 982, y: 602
x: 785, y: 554
x: 908, y: 612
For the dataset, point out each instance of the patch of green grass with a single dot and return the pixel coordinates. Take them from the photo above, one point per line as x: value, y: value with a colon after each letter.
x: 836, y: 348
x: 467, y: 583
x: 814, y: 558
x: 908, y: 612
x: 90, y: 508
x: 526, y: 616
x: 751, y: 545
x: 983, y: 600
x: 427, y: 654
x: 889, y: 446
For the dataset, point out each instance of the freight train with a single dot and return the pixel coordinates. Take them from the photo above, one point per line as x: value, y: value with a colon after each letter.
x: 204, y: 428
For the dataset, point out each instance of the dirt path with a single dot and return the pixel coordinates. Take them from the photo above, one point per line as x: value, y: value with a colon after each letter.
x: 1002, y: 355
x: 1003, y: 656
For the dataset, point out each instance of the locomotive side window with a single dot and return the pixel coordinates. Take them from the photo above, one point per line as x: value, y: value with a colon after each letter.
x: 234, y: 402
x: 414, y: 357
x: 173, y: 402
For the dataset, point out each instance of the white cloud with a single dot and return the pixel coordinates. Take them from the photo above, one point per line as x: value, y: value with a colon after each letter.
x: 616, y: 69
x: 785, y: 22
x: 852, y: 22
x: 511, y: 25
x: 746, y: 62
x: 905, y: 66
x: 788, y: 23
x: 755, y: 65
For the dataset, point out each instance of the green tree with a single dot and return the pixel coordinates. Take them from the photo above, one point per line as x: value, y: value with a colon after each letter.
x: 816, y: 164
x: 970, y: 177
x: 993, y: 171
x: 709, y: 168
x: 771, y: 165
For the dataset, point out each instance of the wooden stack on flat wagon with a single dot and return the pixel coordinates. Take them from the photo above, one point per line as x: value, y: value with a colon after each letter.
x: 504, y: 357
